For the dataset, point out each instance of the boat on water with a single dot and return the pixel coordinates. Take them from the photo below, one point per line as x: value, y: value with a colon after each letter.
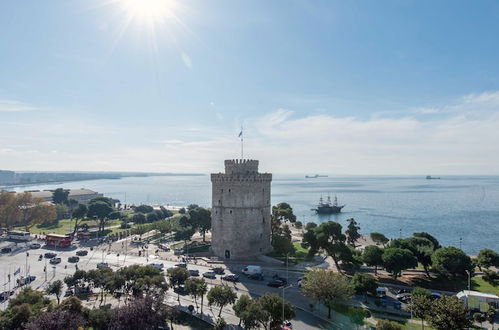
x: 315, y: 176
x: 429, y: 177
x: 328, y: 207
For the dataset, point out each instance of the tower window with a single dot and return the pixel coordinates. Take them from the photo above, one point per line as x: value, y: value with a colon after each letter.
x: 261, y: 235
x: 230, y: 211
x: 229, y: 190
x: 263, y: 220
x: 219, y: 202
x: 222, y: 190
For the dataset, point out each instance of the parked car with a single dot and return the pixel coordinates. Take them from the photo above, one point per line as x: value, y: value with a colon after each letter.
x: 73, y: 259
x: 50, y: 255
x: 256, y: 276
x: 230, y: 278
x: 81, y: 253
x: 6, y: 250
x: 55, y: 261
x: 102, y: 264
x: 211, y: 275
x: 178, y: 252
x: 218, y: 270
x: 35, y: 246
x: 157, y: 266
x: 381, y: 292
x: 403, y: 297
x: 403, y: 291
x: 277, y: 283
x: 182, y: 265
x: 194, y: 272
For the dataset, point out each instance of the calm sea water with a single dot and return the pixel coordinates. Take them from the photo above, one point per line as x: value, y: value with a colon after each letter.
x: 460, y: 211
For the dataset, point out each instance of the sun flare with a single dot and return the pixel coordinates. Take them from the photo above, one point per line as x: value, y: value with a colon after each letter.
x: 149, y: 11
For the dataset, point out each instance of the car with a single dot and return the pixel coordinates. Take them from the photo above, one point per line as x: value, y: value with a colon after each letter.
x: 35, y: 246
x: 381, y: 292
x: 182, y: 265
x: 256, y: 276
x: 81, y: 253
x: 194, y: 272
x: 211, y: 275
x: 218, y: 270
x: 178, y: 252
x: 230, y: 278
x: 252, y: 269
x: 402, y: 291
x: 277, y: 283
x: 102, y: 264
x: 73, y: 259
x: 157, y: 266
x: 299, y: 283
x: 6, y: 250
x: 55, y: 261
x: 50, y: 255
x: 403, y: 296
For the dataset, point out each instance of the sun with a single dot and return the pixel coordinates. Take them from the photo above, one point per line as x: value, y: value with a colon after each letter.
x: 149, y: 11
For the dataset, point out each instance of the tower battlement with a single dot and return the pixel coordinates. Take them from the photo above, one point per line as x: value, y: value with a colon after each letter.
x: 241, y: 166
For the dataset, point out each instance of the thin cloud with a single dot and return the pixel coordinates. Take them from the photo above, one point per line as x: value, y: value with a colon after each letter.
x: 15, y: 106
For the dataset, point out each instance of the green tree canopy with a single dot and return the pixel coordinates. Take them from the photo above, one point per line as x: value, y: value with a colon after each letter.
x: 451, y: 261
x: 101, y: 211
x: 436, y: 244
x: 201, y: 220
x: 449, y: 313
x: 395, y: 260
x: 379, y: 238
x: 274, y: 305
x: 55, y: 288
x: 282, y: 242
x: 221, y: 296
x: 326, y: 287
x: 330, y: 238
x: 372, y: 256
x: 352, y: 232
x: 487, y: 258
x: 421, y: 247
x: 144, y: 209
x: 388, y: 325
x: 60, y: 196
x: 364, y: 283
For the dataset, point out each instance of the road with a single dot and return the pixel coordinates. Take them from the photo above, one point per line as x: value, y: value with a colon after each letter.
x: 31, y: 265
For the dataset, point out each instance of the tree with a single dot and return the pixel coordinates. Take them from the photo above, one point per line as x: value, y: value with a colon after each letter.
x: 71, y: 304
x: 201, y: 220
x: 107, y: 200
x: 449, y: 313
x: 420, y: 304
x: 55, y: 288
x: 140, y: 314
x: 33, y: 211
x: 196, y: 287
x: 310, y: 226
x: 56, y: 320
x: 241, y: 306
x: 139, y: 218
x: 9, y: 212
x: 433, y: 240
x: 379, y: 238
x: 60, y: 196
x: 166, y: 213
x: 79, y: 214
x: 326, y: 287
x: 185, y: 221
x: 221, y: 296
x: 280, y: 212
x: 151, y: 217
x: 182, y: 210
x: 372, y: 256
x: 352, y: 231
x: 331, y: 239
x: 421, y: 247
x: 274, y: 306
x: 191, y: 207
x: 395, y: 260
x: 298, y: 224
x: 99, y: 318
x: 184, y: 234
x: 143, y: 209
x: 101, y: 211
x: 177, y: 277
x: 388, y: 325
x: 364, y: 283
x: 487, y: 258
x: 309, y: 240
x: 282, y: 242
x: 451, y: 261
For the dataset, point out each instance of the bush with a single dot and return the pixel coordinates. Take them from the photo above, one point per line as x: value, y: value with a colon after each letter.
x: 388, y: 325
x: 490, y: 276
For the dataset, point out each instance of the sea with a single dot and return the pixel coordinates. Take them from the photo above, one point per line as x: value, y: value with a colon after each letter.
x: 461, y: 211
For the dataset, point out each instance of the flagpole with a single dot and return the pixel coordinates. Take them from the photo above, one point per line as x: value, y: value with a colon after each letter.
x: 242, y: 137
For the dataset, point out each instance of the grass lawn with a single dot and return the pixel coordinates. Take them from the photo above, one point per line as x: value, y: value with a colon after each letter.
x: 66, y: 226
x: 408, y: 325
x: 300, y: 255
x: 457, y: 284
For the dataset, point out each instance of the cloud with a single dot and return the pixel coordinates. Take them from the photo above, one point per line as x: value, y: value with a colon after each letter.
x: 15, y: 106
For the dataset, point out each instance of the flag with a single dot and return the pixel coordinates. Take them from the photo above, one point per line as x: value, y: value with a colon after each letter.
x: 17, y: 271
x: 240, y: 133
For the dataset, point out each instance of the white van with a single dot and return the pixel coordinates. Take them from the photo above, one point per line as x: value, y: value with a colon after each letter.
x: 250, y: 270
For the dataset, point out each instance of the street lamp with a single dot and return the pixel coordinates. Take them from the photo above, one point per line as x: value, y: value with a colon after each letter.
x: 469, y: 287
x: 284, y: 287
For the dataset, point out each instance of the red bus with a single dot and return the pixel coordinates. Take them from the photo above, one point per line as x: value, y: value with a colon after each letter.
x: 57, y: 240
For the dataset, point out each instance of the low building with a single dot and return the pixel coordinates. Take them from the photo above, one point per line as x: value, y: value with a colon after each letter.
x: 81, y: 195
x: 478, y: 300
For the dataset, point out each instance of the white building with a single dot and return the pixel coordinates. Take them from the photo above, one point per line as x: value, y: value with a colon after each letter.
x: 478, y: 300
x: 81, y: 195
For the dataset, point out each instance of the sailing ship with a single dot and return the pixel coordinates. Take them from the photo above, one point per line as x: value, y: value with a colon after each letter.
x: 315, y: 176
x: 429, y: 177
x: 328, y: 207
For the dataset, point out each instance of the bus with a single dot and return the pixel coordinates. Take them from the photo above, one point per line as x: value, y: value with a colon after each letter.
x: 57, y: 240
x: 18, y: 235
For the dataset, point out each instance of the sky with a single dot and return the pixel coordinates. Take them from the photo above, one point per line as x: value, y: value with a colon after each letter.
x: 331, y: 87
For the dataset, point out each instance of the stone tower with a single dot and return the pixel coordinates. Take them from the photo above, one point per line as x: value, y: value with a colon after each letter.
x: 240, y: 211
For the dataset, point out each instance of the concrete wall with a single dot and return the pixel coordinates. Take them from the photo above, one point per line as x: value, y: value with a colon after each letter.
x: 241, y: 210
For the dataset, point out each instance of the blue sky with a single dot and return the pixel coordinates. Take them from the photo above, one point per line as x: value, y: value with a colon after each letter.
x: 338, y: 87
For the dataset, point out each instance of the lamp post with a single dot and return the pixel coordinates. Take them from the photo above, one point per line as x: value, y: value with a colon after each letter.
x: 285, y: 287
x: 469, y: 287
